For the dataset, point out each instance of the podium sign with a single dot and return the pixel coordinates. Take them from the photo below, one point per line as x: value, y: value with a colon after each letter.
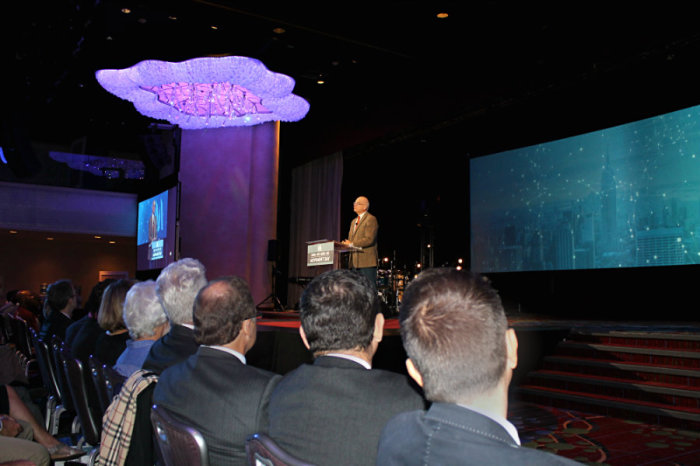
x: 320, y: 253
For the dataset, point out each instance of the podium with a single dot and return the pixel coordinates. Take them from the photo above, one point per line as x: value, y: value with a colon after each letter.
x: 324, y: 252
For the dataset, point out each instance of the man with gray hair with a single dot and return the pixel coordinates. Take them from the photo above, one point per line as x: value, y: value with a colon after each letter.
x: 146, y: 321
x: 461, y: 351
x: 177, y: 287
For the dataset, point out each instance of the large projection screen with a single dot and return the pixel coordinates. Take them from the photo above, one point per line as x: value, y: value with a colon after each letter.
x: 626, y: 196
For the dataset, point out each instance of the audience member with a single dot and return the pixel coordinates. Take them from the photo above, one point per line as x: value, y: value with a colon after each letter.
x: 461, y: 351
x: 112, y: 343
x: 332, y: 412
x: 10, y: 305
x: 176, y: 287
x: 58, y: 309
x: 23, y: 438
x: 145, y: 318
x: 81, y: 335
x: 29, y: 308
x: 233, y: 396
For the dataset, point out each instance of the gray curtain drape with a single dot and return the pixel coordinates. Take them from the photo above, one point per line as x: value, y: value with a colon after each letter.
x: 315, y: 214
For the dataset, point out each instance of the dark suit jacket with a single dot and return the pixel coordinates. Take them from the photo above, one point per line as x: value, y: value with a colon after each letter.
x: 364, y: 237
x: 173, y: 347
x: 332, y: 412
x: 451, y: 434
x: 55, y: 324
x: 82, y: 336
x: 219, y: 396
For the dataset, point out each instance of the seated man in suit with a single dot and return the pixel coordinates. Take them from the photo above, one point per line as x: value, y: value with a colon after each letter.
x: 332, y: 412
x: 462, y: 353
x: 214, y: 390
x: 176, y: 287
x: 60, y: 303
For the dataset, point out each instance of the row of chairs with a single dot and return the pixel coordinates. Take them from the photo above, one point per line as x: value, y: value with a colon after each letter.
x: 181, y: 445
x: 66, y: 380
x: 68, y: 384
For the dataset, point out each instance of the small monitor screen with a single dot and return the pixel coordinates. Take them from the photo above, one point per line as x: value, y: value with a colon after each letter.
x: 156, y: 231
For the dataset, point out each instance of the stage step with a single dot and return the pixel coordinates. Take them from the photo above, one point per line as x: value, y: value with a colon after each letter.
x: 646, y: 376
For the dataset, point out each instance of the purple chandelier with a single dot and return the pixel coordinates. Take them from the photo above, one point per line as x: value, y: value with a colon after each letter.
x: 208, y: 92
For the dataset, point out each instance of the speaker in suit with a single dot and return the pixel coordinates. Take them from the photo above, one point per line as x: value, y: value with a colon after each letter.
x: 363, y: 234
x: 451, y: 434
x: 332, y: 412
x: 173, y: 347
x: 220, y: 396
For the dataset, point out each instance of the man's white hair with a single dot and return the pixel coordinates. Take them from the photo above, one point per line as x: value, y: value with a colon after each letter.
x: 177, y: 287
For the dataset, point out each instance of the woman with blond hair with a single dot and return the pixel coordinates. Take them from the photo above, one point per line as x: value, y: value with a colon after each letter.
x: 113, y: 342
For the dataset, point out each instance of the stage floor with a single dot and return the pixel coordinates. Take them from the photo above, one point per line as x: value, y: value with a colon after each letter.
x: 290, y: 320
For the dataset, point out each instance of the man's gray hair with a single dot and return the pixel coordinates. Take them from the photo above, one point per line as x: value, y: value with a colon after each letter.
x: 142, y: 310
x: 177, y: 287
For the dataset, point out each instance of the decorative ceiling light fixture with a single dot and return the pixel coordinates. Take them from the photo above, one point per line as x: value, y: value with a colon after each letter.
x: 207, y: 92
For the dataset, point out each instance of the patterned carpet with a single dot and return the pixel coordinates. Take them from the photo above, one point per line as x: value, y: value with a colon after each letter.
x: 600, y: 440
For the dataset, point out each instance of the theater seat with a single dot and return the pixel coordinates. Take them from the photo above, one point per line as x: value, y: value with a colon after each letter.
x: 261, y: 450
x: 178, y: 443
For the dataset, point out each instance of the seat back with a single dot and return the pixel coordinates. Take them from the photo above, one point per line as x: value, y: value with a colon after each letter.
x: 55, y: 347
x: 91, y: 427
x: 46, y: 368
x: 260, y: 449
x: 21, y: 336
x: 107, y: 382
x: 178, y: 443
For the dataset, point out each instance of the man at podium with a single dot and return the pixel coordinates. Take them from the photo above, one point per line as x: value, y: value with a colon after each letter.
x: 363, y: 234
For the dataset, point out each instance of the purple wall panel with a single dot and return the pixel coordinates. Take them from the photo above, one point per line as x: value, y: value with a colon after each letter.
x: 228, y: 207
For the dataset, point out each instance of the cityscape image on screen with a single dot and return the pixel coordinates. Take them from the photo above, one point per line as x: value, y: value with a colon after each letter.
x: 626, y: 196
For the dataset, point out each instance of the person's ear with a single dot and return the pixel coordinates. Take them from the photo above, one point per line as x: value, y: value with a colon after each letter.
x: 378, y: 327
x: 512, y: 348
x: 303, y: 337
x: 413, y: 372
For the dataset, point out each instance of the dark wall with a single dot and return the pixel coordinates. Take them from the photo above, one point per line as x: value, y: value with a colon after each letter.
x: 27, y: 259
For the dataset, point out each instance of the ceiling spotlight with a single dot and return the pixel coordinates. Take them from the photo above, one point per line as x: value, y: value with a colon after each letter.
x: 214, y: 27
x: 279, y: 30
x: 49, y: 238
x: 320, y: 81
x: 172, y: 18
x: 112, y: 242
x: 97, y: 237
x: 13, y: 232
x: 442, y: 15
x: 126, y: 11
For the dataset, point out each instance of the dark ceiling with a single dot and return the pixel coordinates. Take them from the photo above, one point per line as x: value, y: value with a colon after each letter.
x: 390, y: 68
x: 491, y: 76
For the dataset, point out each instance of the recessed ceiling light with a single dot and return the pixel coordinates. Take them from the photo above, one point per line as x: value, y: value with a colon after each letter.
x: 320, y: 81
x: 13, y: 232
x: 126, y: 11
x: 173, y: 18
x: 112, y: 242
x: 97, y: 237
x: 279, y: 30
x: 442, y: 15
x: 49, y: 238
x: 214, y: 27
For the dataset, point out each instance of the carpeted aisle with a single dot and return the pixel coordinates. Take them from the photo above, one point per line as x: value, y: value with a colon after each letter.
x: 596, y: 439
